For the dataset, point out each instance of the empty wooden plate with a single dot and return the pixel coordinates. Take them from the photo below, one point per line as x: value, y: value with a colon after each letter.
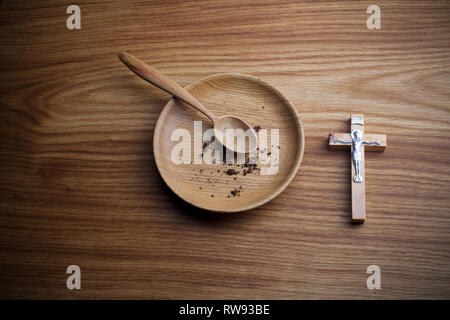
x: 223, y: 187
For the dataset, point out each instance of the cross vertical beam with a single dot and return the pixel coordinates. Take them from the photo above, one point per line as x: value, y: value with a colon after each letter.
x: 357, y: 142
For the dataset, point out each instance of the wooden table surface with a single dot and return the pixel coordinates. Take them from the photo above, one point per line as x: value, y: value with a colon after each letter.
x: 79, y: 185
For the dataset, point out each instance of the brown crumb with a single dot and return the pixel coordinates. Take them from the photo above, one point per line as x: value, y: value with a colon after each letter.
x: 236, y: 192
x: 257, y: 128
x: 212, y: 196
x: 230, y: 172
x: 250, y: 167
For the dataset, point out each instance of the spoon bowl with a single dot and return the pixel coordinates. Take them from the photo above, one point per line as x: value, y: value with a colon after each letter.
x: 233, y: 133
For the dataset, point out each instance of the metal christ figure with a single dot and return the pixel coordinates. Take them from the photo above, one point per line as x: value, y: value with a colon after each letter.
x: 356, y: 143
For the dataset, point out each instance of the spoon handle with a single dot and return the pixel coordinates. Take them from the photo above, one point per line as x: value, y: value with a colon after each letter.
x: 162, y: 81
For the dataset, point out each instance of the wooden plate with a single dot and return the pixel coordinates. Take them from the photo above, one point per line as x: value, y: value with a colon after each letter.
x: 210, y: 186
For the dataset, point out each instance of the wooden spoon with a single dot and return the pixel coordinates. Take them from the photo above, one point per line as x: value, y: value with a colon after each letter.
x: 221, y: 124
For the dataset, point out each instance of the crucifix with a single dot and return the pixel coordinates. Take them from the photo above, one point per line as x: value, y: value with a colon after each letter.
x: 358, y: 141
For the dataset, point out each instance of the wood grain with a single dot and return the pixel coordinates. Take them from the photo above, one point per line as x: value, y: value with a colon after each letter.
x: 79, y: 183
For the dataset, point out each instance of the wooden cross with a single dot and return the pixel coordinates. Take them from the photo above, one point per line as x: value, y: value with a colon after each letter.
x: 358, y: 142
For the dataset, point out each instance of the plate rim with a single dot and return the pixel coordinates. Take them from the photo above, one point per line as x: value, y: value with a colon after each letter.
x: 292, y: 173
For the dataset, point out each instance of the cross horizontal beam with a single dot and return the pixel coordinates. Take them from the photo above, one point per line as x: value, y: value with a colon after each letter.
x: 381, y: 138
